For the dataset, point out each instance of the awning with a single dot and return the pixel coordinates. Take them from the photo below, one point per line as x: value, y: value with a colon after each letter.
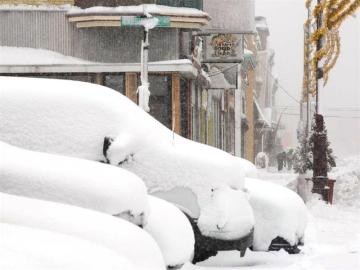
x: 14, y: 60
x: 249, y: 59
x: 261, y: 115
x: 218, y: 80
x: 173, y: 17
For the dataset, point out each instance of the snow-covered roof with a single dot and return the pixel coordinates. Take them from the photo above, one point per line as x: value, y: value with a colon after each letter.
x: 175, y: 17
x: 31, y: 60
x: 152, y: 9
x: 24, y: 7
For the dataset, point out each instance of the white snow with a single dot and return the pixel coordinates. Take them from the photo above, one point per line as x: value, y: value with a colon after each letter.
x: 347, y: 185
x: 73, y: 181
x: 33, y: 249
x: 122, y: 237
x: 138, y: 10
x: 24, y: 7
x: 332, y: 236
x: 23, y: 56
x: 172, y: 231
x: 278, y: 212
x: 72, y: 118
x: 30, y: 56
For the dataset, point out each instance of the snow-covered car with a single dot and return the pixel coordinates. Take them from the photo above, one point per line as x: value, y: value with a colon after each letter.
x: 280, y: 216
x: 99, y: 187
x: 117, y: 235
x: 29, y: 248
x: 93, y: 122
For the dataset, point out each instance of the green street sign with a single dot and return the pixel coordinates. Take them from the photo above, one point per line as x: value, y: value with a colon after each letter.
x: 164, y: 21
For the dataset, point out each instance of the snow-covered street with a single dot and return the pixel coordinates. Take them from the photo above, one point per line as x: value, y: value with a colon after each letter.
x: 332, y: 240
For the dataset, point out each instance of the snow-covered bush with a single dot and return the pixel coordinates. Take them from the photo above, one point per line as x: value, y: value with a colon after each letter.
x: 74, y: 181
x: 74, y: 118
x: 28, y: 248
x: 120, y: 236
x: 278, y: 212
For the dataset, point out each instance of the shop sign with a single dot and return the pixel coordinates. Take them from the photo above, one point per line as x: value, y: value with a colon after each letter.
x: 223, y: 48
x: 163, y: 21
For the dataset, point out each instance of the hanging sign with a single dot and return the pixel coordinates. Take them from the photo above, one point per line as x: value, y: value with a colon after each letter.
x: 223, y: 48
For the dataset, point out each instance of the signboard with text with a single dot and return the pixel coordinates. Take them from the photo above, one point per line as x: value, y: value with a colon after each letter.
x: 163, y: 21
x: 223, y: 48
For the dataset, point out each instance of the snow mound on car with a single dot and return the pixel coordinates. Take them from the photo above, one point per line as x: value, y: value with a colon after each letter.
x: 172, y: 231
x: 33, y: 249
x: 73, y: 181
x: 278, y: 211
x: 109, y: 232
x: 73, y: 118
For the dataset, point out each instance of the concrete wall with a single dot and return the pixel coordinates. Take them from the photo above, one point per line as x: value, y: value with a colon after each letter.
x: 236, y: 15
x: 51, y: 30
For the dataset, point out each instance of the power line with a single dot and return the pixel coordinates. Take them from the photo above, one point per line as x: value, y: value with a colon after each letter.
x: 279, y: 85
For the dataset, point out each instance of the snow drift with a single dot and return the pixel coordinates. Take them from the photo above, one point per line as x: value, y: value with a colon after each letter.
x: 122, y: 237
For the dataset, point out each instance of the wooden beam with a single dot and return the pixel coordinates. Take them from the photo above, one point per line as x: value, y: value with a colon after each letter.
x: 99, y: 78
x: 190, y: 20
x: 131, y: 86
x: 94, y: 18
x: 189, y: 25
x: 91, y: 24
x: 176, y: 102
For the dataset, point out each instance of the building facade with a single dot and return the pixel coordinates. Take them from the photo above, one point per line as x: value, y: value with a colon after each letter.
x: 209, y: 71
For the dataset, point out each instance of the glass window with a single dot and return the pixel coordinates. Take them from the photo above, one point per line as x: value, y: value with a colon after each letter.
x: 116, y: 82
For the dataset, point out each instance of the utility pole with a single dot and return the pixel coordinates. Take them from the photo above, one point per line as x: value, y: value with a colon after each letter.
x: 319, y: 138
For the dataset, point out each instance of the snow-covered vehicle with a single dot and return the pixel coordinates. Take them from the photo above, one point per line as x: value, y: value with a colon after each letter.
x: 29, y: 248
x: 114, y: 234
x: 93, y: 122
x: 99, y: 187
x: 280, y: 216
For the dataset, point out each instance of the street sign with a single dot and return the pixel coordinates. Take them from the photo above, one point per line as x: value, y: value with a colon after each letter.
x: 163, y: 21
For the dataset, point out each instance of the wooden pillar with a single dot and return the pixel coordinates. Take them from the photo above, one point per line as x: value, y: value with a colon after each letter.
x: 249, y: 109
x: 176, y: 102
x: 99, y: 78
x: 131, y: 86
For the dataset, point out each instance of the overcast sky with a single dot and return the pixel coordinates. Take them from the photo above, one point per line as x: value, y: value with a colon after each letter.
x: 341, y: 96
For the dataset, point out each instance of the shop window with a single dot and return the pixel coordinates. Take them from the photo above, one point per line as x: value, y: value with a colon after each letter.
x: 116, y: 82
x: 160, y: 98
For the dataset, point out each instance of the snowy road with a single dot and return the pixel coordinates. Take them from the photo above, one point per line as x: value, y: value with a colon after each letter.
x: 332, y: 243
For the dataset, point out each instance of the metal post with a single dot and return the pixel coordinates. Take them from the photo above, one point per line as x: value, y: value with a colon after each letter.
x: 145, y: 57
